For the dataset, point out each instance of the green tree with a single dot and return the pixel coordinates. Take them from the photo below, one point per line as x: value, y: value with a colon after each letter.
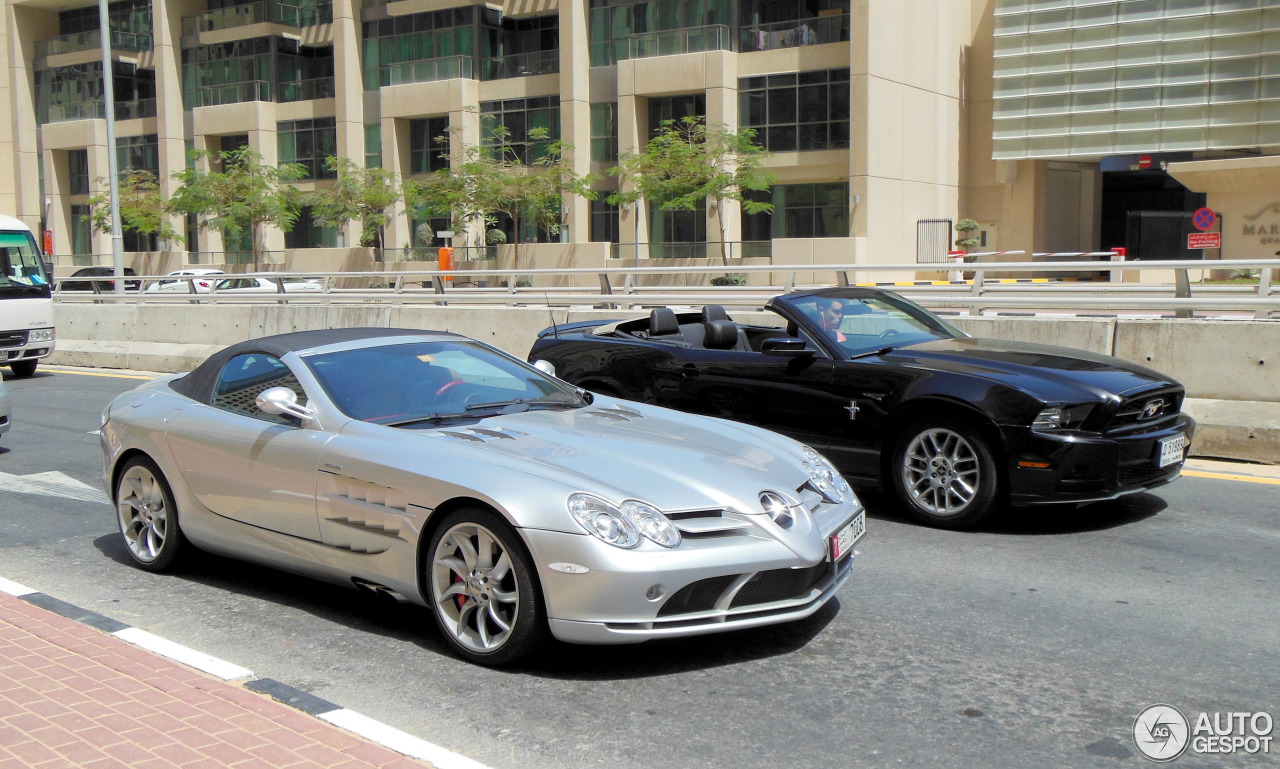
x: 142, y: 208
x: 688, y: 162
x: 459, y: 193
x: 358, y: 194
x: 494, y: 179
x: 245, y: 196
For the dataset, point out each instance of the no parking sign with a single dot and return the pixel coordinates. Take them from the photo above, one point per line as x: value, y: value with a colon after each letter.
x: 1204, y: 219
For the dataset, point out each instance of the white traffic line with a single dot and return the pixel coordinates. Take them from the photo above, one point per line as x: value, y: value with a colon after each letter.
x: 52, y: 484
x: 15, y: 589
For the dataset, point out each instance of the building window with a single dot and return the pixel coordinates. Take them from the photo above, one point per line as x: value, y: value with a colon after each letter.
x: 604, y: 132
x: 304, y: 72
x: 81, y: 230
x: 373, y: 146
x: 677, y: 227
x: 426, y: 154
x: 797, y: 110
x: 521, y: 118
x: 605, y: 223
x: 518, y: 47
x: 140, y: 153
x: 397, y: 43
x: 308, y: 233
x: 77, y: 172
x: 309, y: 143
x: 675, y: 108
x: 129, y: 21
x: 75, y: 92
x: 228, y: 73
x: 801, y: 211
x: 612, y: 25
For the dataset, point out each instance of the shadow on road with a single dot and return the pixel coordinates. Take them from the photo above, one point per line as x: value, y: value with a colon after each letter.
x: 414, y: 624
x: 1037, y: 520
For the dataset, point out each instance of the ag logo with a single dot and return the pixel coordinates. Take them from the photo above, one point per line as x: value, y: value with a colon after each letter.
x: 1161, y: 732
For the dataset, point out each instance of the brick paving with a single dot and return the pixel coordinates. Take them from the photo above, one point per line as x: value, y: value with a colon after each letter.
x: 74, y: 696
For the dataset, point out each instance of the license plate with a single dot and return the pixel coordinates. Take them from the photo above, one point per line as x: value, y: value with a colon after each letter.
x: 843, y: 540
x: 1171, y: 449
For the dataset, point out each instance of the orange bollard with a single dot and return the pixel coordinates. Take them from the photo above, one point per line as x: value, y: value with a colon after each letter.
x: 444, y: 258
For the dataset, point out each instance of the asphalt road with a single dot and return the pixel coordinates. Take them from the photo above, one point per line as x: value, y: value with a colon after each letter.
x: 1034, y: 642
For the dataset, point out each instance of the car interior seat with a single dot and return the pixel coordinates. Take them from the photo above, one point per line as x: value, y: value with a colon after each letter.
x: 714, y: 312
x: 663, y: 322
x: 721, y: 335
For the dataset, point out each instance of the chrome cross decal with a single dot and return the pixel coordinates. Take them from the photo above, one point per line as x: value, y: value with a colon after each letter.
x: 852, y: 408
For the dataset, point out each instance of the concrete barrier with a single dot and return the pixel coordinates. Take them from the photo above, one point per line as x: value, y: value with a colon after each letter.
x: 1227, y: 366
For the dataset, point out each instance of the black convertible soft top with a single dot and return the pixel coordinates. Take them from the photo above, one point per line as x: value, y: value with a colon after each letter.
x: 198, y: 385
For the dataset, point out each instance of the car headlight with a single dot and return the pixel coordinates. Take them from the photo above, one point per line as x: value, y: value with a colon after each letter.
x: 40, y: 335
x: 826, y: 478
x: 624, y: 525
x: 1060, y: 418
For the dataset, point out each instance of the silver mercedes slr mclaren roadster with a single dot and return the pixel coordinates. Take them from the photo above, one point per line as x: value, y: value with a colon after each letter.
x: 442, y: 471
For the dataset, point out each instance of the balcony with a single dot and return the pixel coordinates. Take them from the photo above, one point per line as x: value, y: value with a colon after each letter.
x: 95, y: 109
x: 521, y: 65
x: 796, y: 33
x: 92, y: 41
x: 306, y: 90
x: 266, y: 12
x: 231, y: 93
x: 716, y: 37
x: 427, y: 70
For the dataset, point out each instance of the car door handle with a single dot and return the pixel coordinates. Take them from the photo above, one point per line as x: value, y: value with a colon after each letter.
x: 689, y: 371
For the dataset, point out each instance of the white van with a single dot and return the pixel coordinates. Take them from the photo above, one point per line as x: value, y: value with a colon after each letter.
x: 26, y: 302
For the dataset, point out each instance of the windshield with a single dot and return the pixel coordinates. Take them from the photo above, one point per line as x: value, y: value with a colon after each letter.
x: 861, y: 323
x: 22, y: 271
x: 431, y: 382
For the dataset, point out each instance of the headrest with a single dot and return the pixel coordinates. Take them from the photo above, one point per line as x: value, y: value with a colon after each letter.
x: 714, y: 312
x: 662, y: 320
x: 720, y: 335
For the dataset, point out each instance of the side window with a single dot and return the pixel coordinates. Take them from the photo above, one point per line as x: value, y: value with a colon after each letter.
x: 244, y: 377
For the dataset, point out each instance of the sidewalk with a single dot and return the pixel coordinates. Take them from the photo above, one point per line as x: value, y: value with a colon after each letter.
x: 74, y: 696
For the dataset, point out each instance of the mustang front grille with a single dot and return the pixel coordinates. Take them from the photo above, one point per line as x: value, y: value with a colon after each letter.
x: 1147, y: 409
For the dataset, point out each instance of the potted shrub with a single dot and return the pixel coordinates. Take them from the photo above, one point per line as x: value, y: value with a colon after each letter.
x: 966, y: 241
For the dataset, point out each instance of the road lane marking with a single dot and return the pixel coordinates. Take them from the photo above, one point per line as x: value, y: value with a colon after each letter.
x: 1231, y: 477
x: 51, y: 484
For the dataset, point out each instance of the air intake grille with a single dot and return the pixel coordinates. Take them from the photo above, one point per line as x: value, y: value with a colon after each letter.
x: 780, y: 585
x: 13, y: 338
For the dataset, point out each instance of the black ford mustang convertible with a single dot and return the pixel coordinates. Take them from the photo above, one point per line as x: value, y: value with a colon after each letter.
x: 896, y: 397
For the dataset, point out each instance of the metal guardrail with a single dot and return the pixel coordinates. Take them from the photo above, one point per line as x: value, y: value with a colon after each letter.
x: 624, y: 287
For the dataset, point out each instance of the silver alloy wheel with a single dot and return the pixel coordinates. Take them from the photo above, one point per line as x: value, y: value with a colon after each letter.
x: 476, y: 591
x: 941, y: 472
x: 144, y: 515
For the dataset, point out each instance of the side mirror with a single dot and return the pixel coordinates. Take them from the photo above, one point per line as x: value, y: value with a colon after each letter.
x: 787, y: 347
x: 282, y: 400
x: 545, y: 367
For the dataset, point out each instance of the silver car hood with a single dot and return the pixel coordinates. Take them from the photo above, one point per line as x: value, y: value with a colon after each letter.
x: 624, y: 450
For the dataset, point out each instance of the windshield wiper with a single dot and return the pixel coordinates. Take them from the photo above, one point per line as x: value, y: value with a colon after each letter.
x: 528, y: 403
x: 877, y: 351
x: 427, y: 418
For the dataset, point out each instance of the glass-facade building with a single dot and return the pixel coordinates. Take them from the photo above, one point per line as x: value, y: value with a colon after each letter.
x: 1105, y: 78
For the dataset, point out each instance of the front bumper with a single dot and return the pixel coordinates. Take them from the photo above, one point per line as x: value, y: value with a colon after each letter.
x: 703, y: 586
x: 1089, y: 467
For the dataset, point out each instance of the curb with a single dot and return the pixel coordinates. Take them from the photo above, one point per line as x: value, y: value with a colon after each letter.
x: 360, y: 725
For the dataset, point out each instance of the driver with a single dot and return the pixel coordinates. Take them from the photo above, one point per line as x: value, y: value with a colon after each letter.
x: 830, y: 314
